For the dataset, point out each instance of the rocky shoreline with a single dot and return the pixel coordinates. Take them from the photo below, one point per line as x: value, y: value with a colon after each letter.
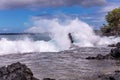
x: 114, y: 54
x: 17, y: 71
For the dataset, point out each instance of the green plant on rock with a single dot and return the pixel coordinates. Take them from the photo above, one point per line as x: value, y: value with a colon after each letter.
x: 113, y: 20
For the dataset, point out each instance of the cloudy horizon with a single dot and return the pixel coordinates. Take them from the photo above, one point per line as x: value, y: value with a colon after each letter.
x: 18, y: 16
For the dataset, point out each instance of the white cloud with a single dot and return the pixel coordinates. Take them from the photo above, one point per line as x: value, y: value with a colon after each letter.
x: 110, y: 7
x: 35, y: 29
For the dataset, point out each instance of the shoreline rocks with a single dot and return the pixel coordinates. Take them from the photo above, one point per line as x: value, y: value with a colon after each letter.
x: 16, y: 71
x: 114, y: 54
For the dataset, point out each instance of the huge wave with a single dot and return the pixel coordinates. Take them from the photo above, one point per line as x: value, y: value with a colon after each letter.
x: 82, y: 33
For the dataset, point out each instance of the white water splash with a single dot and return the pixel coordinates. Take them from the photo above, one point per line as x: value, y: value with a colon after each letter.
x: 82, y: 33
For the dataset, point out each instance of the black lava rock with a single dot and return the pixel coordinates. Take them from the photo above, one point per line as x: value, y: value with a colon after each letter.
x: 16, y: 71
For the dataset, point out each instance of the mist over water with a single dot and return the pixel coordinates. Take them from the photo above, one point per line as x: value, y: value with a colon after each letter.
x: 82, y: 33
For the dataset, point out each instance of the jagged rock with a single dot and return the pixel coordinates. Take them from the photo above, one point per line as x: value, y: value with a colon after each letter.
x: 16, y: 71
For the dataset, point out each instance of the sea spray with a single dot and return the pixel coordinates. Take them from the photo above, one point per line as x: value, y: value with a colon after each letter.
x: 82, y: 33
x: 25, y: 46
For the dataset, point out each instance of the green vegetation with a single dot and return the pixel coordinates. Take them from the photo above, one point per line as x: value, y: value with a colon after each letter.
x: 113, y: 20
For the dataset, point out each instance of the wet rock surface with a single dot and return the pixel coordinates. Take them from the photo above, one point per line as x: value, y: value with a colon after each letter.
x: 114, y: 54
x: 16, y: 71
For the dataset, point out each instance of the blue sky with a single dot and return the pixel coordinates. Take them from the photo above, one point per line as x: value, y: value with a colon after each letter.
x: 16, y: 16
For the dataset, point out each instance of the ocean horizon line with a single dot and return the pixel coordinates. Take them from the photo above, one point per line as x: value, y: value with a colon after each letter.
x: 20, y: 33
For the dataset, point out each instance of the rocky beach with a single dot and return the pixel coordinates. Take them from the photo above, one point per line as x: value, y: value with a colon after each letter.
x: 67, y: 65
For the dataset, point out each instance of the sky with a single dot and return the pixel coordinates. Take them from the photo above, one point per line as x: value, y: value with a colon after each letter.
x: 18, y: 15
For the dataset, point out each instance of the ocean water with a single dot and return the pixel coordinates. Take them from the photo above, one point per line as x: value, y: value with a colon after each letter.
x: 21, y: 36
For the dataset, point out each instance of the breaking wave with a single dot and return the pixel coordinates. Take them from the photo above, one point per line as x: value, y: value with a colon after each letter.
x: 82, y: 33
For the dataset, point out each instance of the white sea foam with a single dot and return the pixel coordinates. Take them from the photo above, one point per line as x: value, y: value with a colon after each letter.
x: 26, y: 45
x: 82, y: 33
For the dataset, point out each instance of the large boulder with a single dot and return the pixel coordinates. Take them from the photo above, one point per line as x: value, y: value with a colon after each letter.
x: 16, y: 71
